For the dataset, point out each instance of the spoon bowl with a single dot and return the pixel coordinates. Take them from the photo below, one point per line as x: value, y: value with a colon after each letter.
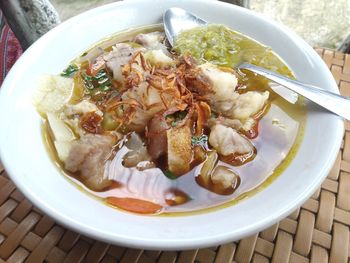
x: 176, y: 20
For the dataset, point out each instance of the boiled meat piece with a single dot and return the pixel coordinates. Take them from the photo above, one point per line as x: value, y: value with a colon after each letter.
x: 222, y: 86
x: 150, y: 40
x: 88, y: 156
x: 248, y: 104
x: 119, y: 56
x: 81, y: 108
x: 137, y: 151
x: 228, y: 141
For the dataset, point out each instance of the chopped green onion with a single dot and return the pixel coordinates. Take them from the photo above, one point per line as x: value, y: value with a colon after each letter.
x: 199, y: 140
x: 87, y: 81
x: 170, y: 174
x: 69, y: 70
x: 176, y: 117
x: 213, y: 114
x: 101, y: 81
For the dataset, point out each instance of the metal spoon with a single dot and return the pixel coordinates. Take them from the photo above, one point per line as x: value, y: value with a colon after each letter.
x: 177, y: 19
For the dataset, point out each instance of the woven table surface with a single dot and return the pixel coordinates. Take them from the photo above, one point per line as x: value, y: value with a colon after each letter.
x: 317, y: 232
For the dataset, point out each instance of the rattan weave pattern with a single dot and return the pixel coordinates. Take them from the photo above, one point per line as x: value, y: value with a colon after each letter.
x: 317, y: 232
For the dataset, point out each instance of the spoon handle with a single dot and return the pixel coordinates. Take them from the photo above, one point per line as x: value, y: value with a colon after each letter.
x: 335, y: 103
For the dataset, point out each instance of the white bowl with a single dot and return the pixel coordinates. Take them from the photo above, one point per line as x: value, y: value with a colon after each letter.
x: 27, y: 162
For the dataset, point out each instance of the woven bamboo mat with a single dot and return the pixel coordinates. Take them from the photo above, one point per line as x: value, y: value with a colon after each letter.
x: 317, y: 232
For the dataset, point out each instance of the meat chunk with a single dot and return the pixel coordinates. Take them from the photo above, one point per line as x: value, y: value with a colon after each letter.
x: 82, y: 108
x: 227, y: 141
x: 137, y: 151
x: 214, y: 84
x: 218, y: 87
x: 248, y: 104
x: 248, y: 124
x: 236, y: 124
x: 150, y: 40
x: 87, y: 156
x: 224, y: 178
x: 150, y: 99
x: 119, y: 56
x: 157, y: 139
x: 223, y: 85
x: 158, y: 58
x: 232, y: 123
x: 179, y: 150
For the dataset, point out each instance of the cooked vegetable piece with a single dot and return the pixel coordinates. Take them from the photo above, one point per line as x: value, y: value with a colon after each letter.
x: 207, y: 168
x: 199, y: 140
x: 134, y: 205
x: 78, y: 89
x: 176, y: 197
x: 72, y: 68
x: 109, y: 123
x: 238, y: 159
x: 62, y: 135
x: 170, y: 174
x: 63, y: 149
x: 174, y: 118
x: 60, y: 130
x: 203, y: 111
x: 217, y: 178
x: 97, y: 66
x: 53, y: 93
x: 100, y: 80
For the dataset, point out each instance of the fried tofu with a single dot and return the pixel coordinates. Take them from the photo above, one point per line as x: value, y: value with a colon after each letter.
x: 179, y: 150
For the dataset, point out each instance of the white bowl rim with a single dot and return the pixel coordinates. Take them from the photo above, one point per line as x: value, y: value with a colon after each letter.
x: 167, y: 243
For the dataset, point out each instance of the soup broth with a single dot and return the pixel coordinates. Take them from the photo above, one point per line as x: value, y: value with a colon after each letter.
x: 163, y: 185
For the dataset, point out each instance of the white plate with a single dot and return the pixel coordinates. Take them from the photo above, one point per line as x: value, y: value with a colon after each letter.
x: 27, y: 162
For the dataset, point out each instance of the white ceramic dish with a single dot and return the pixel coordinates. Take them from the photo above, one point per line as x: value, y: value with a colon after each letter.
x: 27, y: 162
